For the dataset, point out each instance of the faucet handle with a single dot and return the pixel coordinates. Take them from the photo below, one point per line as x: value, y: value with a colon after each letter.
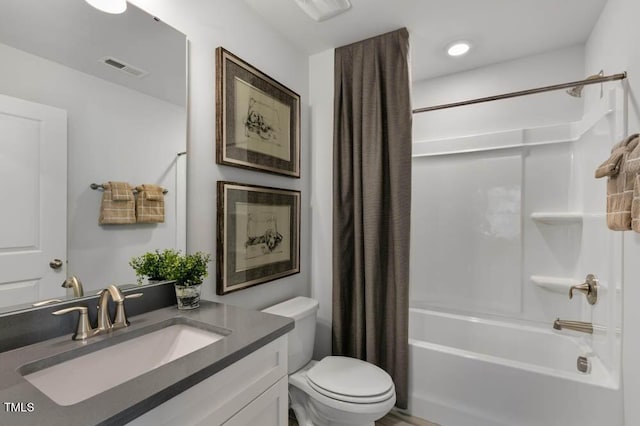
x: 83, y: 329
x: 120, y: 320
x: 589, y: 288
x: 46, y: 302
x: 133, y: 296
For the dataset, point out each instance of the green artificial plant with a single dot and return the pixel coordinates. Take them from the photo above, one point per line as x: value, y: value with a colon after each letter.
x: 155, y: 265
x: 189, y: 269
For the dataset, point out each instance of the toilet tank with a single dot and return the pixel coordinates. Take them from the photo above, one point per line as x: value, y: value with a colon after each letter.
x: 302, y: 338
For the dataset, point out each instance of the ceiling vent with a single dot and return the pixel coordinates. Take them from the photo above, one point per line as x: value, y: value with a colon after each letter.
x: 124, y: 67
x: 319, y: 10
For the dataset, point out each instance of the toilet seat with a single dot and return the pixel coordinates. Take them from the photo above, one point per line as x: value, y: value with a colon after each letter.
x: 350, y: 380
x: 316, y: 407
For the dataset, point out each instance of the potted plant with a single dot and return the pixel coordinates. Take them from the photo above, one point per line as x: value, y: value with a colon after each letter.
x: 188, y: 271
x: 154, y: 265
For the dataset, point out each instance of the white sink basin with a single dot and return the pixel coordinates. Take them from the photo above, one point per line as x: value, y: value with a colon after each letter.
x: 81, y: 378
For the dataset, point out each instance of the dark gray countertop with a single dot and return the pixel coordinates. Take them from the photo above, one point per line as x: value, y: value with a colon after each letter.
x: 250, y: 330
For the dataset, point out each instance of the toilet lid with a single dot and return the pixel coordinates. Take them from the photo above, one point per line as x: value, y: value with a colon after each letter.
x: 350, y: 379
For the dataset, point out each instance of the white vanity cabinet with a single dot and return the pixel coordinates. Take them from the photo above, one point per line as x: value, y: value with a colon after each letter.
x: 251, y: 391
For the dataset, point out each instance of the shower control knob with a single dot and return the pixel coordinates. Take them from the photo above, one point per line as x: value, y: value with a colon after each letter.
x: 589, y: 288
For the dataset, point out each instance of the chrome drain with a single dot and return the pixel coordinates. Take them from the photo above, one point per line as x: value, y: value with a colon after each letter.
x: 583, y: 364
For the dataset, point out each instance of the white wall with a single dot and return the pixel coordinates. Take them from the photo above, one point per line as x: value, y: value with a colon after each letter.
x: 114, y: 133
x: 612, y: 46
x: 321, y: 103
x: 233, y: 25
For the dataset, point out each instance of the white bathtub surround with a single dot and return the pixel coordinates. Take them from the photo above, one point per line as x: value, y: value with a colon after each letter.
x: 613, y: 44
x: 556, y: 284
x: 470, y: 371
x: 491, y: 297
x: 553, y: 218
x: 514, y: 197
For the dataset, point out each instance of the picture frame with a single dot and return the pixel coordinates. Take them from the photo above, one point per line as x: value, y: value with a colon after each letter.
x: 257, y: 119
x: 258, y: 236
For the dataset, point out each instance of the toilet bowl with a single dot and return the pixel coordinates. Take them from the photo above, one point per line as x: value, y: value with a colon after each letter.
x: 335, y: 391
x: 337, y: 405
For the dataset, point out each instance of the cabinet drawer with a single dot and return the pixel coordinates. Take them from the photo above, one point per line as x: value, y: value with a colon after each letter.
x: 269, y: 409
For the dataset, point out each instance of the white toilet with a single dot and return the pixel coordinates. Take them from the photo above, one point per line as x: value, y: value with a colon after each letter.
x: 335, y: 391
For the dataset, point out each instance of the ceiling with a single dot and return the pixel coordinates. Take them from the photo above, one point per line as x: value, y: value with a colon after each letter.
x: 76, y: 35
x: 500, y: 30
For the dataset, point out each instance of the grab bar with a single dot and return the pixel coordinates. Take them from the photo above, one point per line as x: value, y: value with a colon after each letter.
x: 581, y: 326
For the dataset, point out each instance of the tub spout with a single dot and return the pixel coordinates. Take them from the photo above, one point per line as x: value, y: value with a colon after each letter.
x: 581, y: 326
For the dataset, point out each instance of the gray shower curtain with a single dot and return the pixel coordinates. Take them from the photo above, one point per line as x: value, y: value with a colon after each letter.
x: 372, y: 203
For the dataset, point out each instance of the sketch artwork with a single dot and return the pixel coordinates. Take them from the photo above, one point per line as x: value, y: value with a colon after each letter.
x: 258, y: 235
x: 258, y: 124
x: 259, y: 239
x: 263, y: 123
x: 257, y: 119
x: 267, y: 241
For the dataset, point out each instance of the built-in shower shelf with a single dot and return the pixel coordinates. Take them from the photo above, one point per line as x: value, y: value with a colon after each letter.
x: 557, y: 218
x: 555, y: 284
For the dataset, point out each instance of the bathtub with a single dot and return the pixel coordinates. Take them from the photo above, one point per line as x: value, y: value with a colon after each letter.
x: 467, y: 371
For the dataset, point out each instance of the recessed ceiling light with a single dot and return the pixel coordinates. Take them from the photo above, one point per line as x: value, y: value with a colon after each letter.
x: 458, y: 48
x: 109, y: 6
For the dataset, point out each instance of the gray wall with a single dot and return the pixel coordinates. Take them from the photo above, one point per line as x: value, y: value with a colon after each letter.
x: 233, y: 25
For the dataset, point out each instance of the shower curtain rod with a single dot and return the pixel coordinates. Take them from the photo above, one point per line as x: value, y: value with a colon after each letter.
x: 571, y: 84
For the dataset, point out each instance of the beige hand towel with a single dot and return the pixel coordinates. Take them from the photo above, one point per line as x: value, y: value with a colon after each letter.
x: 635, y: 206
x: 633, y: 160
x: 150, y: 204
x: 118, y: 204
x: 619, y: 185
x: 612, y: 165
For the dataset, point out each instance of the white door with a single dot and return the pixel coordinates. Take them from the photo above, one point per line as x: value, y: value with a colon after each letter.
x: 33, y: 210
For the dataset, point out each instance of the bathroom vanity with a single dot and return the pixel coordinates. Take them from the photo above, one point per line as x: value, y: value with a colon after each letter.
x: 238, y: 377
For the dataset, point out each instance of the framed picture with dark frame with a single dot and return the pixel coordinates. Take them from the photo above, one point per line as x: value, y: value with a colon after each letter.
x: 258, y: 235
x: 257, y: 119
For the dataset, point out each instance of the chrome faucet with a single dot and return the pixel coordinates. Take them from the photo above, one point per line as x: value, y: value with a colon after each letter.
x: 581, y: 326
x: 84, y: 329
x: 75, y: 284
x: 120, y: 319
x: 104, y: 321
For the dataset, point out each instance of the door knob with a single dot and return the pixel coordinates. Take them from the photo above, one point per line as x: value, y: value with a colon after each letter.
x: 55, y: 264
